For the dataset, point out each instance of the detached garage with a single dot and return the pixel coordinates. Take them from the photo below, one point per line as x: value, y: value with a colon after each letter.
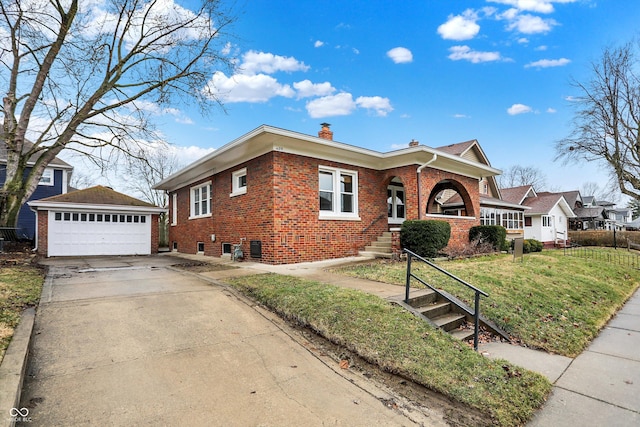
x: 96, y: 221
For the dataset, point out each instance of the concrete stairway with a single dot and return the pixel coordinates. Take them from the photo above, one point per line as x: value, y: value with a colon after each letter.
x: 440, y: 312
x: 381, y: 248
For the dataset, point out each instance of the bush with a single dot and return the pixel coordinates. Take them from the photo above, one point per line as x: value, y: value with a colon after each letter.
x: 425, y: 238
x: 494, y: 234
x: 531, y: 245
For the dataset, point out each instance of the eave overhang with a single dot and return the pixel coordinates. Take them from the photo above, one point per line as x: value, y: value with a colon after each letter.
x: 265, y: 139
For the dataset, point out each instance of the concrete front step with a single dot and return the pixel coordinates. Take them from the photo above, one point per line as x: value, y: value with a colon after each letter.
x: 462, y: 334
x: 421, y: 297
x: 435, y: 309
x: 374, y: 254
x: 380, y: 249
x: 449, y: 321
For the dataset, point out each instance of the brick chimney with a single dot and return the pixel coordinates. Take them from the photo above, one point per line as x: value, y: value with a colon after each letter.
x: 325, y: 132
x: 414, y: 143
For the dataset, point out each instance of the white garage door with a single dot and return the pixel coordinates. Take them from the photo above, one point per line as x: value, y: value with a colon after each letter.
x: 98, y: 233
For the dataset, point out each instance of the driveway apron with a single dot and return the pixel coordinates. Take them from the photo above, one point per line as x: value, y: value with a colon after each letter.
x: 128, y: 341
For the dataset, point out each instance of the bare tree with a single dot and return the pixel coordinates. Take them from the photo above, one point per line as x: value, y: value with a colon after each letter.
x: 516, y: 176
x: 601, y: 194
x: 85, y: 76
x: 607, y: 118
x: 141, y: 175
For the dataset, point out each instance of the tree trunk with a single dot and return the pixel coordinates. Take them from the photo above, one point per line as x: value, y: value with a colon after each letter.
x: 11, y: 197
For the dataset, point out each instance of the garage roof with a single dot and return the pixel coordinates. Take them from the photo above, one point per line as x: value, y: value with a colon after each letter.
x: 98, y: 197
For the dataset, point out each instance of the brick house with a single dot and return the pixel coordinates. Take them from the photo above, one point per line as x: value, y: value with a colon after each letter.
x: 288, y: 197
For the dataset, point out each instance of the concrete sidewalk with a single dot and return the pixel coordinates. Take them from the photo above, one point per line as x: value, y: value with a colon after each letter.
x: 601, y: 387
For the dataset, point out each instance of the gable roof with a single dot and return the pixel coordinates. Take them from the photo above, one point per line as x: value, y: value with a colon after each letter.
x: 572, y: 197
x: 95, y: 197
x: 516, y: 195
x: 543, y: 203
x: 470, y: 150
x: 56, y: 162
x: 265, y: 139
x: 591, y: 212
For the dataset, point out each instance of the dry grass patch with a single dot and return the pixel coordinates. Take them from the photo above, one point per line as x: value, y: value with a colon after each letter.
x: 20, y: 287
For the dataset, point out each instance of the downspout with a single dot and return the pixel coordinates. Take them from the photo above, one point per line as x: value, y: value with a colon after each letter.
x: 433, y: 159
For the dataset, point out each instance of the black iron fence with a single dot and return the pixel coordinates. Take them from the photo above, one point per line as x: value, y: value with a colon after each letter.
x: 619, y: 256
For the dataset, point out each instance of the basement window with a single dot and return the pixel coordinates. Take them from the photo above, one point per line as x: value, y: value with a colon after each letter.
x: 201, y: 247
x: 226, y: 248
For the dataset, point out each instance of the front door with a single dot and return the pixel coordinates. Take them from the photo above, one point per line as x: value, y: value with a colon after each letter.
x: 395, y: 204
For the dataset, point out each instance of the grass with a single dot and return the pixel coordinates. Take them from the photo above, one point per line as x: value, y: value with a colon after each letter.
x: 20, y: 287
x: 385, y: 334
x: 548, y: 301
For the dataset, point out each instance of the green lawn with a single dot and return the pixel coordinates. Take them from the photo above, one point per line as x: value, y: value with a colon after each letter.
x: 548, y: 301
x: 387, y: 335
x: 20, y: 287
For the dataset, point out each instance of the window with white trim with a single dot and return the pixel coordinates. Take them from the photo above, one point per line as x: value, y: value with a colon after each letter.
x: 239, y: 182
x: 174, y: 209
x: 201, y: 201
x: 47, y: 177
x: 338, y: 193
x: 546, y: 221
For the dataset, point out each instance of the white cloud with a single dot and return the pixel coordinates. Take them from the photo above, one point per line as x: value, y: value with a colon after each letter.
x: 255, y: 62
x: 460, y: 27
x: 460, y: 116
x: 541, y: 48
x: 539, y: 6
x: 341, y: 104
x: 516, y: 109
x: 529, y: 24
x: 247, y: 88
x: 464, y: 52
x: 382, y: 106
x: 400, y: 55
x: 307, y: 89
x: 523, y: 40
x: 551, y: 110
x: 318, y: 43
x: 546, y: 63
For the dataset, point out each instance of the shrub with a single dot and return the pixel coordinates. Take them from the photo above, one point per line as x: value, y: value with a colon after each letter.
x: 425, y: 238
x: 532, y: 245
x: 494, y: 234
x: 475, y: 247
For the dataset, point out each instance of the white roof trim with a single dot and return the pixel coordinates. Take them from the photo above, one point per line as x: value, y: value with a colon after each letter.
x: 301, y: 144
x: 59, y: 206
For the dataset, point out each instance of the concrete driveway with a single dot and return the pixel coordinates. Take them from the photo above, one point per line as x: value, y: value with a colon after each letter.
x: 129, y: 341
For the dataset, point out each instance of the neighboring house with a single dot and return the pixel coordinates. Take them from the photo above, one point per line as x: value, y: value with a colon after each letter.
x: 547, y: 218
x: 289, y: 197
x: 96, y: 221
x: 493, y: 209
x: 54, y: 181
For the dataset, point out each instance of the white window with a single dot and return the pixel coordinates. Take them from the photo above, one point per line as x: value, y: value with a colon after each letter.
x: 546, y: 221
x: 338, y: 193
x: 47, y: 177
x: 201, y: 201
x: 174, y: 209
x: 239, y: 182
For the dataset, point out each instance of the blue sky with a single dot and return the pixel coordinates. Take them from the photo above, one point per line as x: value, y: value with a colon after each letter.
x: 438, y: 71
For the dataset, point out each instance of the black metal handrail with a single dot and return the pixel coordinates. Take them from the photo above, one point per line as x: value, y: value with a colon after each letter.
x: 478, y: 292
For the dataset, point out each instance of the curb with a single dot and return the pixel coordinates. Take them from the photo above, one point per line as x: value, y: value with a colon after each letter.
x: 14, y: 366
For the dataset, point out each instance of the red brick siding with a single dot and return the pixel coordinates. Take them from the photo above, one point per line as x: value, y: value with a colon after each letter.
x: 459, y: 226
x: 155, y: 233
x: 280, y: 209
x: 43, y: 238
